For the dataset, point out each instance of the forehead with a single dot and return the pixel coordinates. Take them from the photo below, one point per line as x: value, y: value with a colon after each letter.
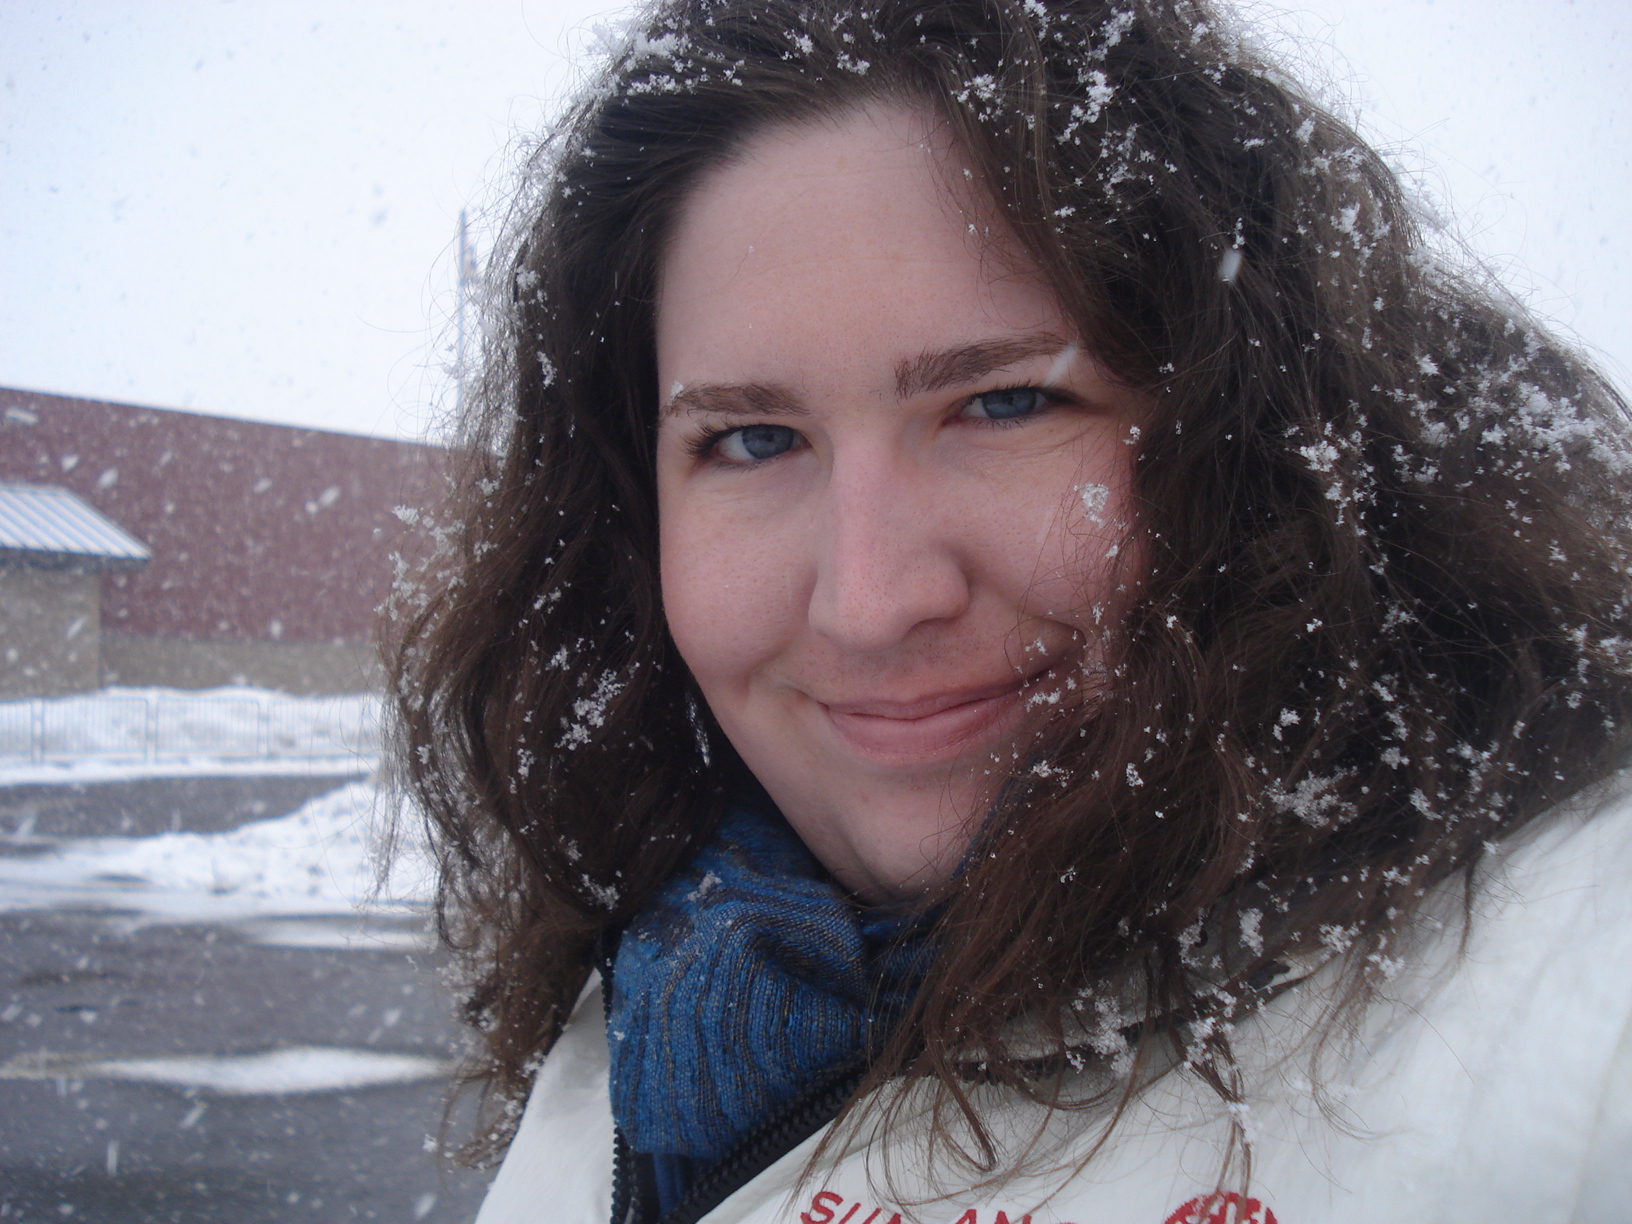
x: 869, y: 225
x: 891, y: 162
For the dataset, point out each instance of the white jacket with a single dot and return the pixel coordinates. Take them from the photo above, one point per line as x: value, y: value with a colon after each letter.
x: 1493, y: 1084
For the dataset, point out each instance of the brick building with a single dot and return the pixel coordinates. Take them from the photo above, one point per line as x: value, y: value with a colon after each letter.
x: 270, y: 547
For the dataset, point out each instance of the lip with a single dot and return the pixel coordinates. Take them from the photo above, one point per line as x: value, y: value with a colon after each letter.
x: 929, y: 729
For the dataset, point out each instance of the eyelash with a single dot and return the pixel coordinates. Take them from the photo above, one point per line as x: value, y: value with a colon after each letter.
x: 704, y: 444
x: 1051, y: 398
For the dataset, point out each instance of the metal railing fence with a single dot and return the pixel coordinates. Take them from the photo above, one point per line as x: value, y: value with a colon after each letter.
x: 167, y: 727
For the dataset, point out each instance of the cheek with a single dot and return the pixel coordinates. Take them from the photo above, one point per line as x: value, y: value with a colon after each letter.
x: 729, y: 595
x: 1083, y: 547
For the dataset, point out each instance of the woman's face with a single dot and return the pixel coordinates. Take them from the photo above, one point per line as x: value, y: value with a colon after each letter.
x: 890, y: 487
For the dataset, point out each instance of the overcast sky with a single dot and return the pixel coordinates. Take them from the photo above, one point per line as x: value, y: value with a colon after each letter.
x: 248, y: 207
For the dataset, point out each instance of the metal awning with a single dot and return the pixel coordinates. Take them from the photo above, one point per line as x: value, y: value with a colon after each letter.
x: 45, y: 527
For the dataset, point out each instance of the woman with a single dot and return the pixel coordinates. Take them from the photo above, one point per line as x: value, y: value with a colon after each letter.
x: 1019, y: 648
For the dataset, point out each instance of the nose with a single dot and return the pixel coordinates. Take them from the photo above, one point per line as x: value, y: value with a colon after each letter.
x: 886, y: 558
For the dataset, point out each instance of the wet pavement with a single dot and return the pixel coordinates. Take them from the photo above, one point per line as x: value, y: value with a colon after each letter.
x: 101, y: 1121
x: 144, y: 806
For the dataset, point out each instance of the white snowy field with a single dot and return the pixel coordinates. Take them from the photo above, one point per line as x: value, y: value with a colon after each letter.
x: 320, y: 860
x: 160, y: 732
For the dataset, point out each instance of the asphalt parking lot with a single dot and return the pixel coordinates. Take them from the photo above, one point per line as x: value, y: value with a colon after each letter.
x: 271, y: 1068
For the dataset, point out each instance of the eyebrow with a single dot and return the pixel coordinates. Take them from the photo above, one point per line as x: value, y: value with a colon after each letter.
x: 736, y: 399
x: 934, y: 371
x: 929, y: 371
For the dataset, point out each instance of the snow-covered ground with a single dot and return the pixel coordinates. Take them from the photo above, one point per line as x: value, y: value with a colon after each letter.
x: 281, y: 1071
x: 158, y: 732
x: 311, y: 879
x: 321, y: 859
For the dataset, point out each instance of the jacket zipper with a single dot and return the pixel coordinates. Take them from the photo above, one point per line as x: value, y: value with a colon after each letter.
x: 785, y: 1130
x: 754, y: 1153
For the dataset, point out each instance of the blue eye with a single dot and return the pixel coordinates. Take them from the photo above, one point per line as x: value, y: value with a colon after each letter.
x: 756, y: 443
x: 1006, y: 405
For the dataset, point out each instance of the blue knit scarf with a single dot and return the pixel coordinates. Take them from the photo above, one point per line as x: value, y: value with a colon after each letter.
x: 743, y: 979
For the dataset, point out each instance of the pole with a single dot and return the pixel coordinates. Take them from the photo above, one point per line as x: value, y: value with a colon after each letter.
x: 464, y: 282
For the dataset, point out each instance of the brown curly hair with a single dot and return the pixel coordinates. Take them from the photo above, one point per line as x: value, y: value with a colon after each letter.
x: 1383, y: 621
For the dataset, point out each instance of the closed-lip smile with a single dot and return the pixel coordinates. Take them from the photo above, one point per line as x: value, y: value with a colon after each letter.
x: 928, y: 729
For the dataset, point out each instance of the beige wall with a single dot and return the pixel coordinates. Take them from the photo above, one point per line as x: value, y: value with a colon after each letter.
x: 52, y: 643
x: 295, y: 667
x: 50, y: 627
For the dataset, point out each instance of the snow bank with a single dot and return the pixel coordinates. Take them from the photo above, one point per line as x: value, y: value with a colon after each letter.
x: 319, y: 859
x: 280, y: 1071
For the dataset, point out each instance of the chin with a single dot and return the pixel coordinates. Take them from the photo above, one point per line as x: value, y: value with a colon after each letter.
x: 883, y: 852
